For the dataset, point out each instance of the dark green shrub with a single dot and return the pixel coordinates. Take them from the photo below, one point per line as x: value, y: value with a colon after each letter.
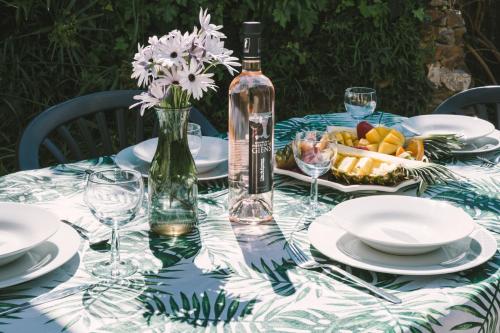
x: 55, y: 50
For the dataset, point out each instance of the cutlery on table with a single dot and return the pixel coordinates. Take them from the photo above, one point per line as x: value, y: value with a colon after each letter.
x: 488, y: 163
x: 300, y: 258
x: 51, y: 296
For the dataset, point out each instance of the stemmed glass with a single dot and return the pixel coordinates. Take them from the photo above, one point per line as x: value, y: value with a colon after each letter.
x: 360, y: 102
x: 314, y: 153
x: 194, y: 138
x: 114, y: 197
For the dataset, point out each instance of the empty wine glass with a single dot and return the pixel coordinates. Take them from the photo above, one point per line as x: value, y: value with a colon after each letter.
x: 194, y: 138
x: 360, y: 102
x: 314, y: 153
x: 114, y: 197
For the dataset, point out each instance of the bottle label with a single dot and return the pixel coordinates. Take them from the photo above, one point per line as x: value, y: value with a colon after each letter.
x: 260, y: 171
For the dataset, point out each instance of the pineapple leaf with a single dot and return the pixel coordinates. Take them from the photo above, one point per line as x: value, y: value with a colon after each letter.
x: 430, y: 174
x: 441, y: 146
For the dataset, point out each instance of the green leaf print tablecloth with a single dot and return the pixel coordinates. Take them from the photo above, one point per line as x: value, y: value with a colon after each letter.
x: 233, y: 278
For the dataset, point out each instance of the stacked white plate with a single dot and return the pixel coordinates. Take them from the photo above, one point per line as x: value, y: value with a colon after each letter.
x: 33, y: 242
x: 402, y: 235
x: 211, y: 161
x: 478, y: 135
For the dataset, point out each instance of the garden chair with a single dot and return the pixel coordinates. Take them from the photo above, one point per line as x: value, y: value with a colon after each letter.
x: 82, y: 128
x: 482, y: 102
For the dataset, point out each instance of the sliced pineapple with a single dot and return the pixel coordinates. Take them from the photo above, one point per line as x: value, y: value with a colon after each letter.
x: 347, y: 164
x: 363, y: 167
x: 359, y: 169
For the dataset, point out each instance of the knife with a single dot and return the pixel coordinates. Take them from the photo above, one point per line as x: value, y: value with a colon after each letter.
x: 46, y: 298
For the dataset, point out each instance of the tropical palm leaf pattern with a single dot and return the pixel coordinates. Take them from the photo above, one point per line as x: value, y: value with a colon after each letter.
x: 233, y: 278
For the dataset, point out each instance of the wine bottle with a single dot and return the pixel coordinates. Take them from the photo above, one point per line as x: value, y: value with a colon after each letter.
x: 251, y: 136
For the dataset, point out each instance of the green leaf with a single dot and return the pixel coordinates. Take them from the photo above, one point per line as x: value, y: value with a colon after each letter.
x: 205, y: 305
x: 220, y: 303
x: 466, y: 326
x: 468, y: 309
x: 231, y: 310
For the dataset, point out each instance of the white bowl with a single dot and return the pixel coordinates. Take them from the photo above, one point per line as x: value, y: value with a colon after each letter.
x: 23, y: 227
x: 401, y: 224
x: 468, y: 128
x: 213, y: 152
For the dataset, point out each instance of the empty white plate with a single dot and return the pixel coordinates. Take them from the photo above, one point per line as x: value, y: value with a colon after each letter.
x: 342, y: 247
x: 213, y: 152
x: 43, y: 258
x: 468, y: 128
x: 403, y: 225
x: 23, y: 227
x: 126, y: 159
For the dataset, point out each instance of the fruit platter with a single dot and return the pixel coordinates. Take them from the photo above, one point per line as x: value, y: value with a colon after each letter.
x: 375, y: 158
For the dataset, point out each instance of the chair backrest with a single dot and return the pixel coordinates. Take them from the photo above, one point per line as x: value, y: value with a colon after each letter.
x: 483, y: 102
x: 91, y: 126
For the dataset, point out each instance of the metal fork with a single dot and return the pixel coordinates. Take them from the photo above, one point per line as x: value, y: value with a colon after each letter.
x: 300, y: 258
x: 487, y: 163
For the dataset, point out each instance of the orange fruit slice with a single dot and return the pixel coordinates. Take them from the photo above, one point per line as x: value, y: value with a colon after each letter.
x: 400, y: 151
x: 416, y: 147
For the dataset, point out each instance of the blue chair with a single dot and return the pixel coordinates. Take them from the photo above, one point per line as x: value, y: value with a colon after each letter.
x: 482, y: 102
x: 81, y: 128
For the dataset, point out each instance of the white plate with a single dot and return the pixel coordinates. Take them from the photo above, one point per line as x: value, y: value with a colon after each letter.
x: 23, y: 227
x: 468, y: 128
x: 403, y: 225
x: 347, y: 188
x: 126, y: 159
x: 213, y: 152
x: 43, y: 258
x: 342, y: 247
x: 484, y: 144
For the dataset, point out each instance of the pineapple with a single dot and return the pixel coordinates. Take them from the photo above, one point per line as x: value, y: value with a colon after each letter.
x: 365, y: 170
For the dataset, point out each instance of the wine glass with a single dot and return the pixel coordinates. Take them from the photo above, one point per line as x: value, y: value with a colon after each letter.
x: 314, y: 153
x: 360, y: 102
x: 114, y: 197
x: 194, y: 138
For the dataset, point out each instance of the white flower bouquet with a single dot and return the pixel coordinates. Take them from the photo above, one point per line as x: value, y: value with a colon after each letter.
x: 175, y: 67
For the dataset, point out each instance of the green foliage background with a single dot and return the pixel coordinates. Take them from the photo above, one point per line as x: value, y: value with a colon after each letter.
x: 51, y: 51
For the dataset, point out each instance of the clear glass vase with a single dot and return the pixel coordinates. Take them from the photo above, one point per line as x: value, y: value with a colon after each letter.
x: 172, y: 183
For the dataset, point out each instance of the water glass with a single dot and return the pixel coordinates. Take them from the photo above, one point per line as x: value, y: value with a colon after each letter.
x: 194, y: 138
x: 314, y: 153
x: 360, y: 102
x: 114, y: 197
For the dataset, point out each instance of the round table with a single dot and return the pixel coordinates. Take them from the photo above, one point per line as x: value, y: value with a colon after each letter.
x: 234, y: 278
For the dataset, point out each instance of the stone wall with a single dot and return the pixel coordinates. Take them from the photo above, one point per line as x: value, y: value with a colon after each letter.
x: 444, y: 32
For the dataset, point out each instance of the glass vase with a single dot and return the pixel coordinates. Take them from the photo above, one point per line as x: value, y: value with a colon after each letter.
x: 172, y: 183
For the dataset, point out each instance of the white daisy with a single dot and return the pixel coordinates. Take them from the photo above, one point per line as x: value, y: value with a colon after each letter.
x: 214, y: 46
x: 194, y: 81
x: 229, y: 62
x: 170, y: 77
x: 142, y: 64
x: 171, y: 52
x: 153, y: 97
x: 208, y: 28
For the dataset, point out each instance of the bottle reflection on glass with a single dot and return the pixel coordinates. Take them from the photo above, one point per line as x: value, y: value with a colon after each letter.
x: 251, y: 136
